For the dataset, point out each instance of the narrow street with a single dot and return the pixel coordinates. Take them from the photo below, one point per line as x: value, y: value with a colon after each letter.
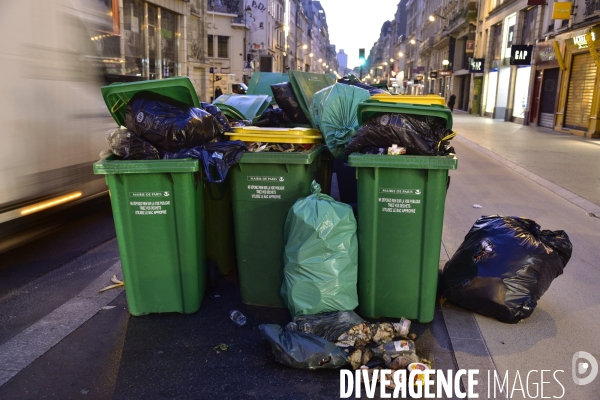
x: 60, y: 339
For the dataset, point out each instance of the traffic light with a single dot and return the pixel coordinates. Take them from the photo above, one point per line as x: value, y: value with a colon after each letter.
x: 361, y: 56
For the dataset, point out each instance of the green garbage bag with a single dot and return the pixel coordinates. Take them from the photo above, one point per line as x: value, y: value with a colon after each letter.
x: 320, y: 256
x: 334, y: 111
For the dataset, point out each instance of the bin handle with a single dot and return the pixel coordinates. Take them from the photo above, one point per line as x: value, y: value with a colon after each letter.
x: 447, y: 137
x: 119, y: 104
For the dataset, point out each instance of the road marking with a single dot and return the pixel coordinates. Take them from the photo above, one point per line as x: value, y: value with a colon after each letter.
x: 34, y: 341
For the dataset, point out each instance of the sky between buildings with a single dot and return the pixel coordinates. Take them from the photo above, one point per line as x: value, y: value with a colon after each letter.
x: 355, y: 24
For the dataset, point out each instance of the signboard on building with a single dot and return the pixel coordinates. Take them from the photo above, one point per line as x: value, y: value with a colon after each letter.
x: 520, y: 54
x: 536, y: 2
x: 476, y: 65
x: 470, y: 46
x: 418, y: 70
x: 562, y: 10
x: 545, y: 57
x: 433, y: 74
x: 443, y: 72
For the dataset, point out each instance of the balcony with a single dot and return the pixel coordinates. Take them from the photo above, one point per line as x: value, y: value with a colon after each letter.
x: 462, y: 18
x: 239, y: 23
x: 426, y: 46
x: 591, y: 7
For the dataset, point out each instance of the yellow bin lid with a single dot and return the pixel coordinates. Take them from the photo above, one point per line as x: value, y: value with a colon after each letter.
x: 424, y: 100
x: 297, y: 131
x: 266, y: 138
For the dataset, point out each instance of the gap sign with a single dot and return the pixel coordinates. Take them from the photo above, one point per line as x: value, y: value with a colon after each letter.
x: 476, y: 65
x: 520, y: 54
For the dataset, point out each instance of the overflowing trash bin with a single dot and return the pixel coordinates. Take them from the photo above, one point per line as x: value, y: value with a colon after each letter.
x: 159, y: 205
x: 400, y: 202
x: 264, y: 186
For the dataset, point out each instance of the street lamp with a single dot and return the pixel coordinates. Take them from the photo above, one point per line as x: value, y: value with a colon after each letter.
x: 432, y: 17
x: 414, y: 41
x: 247, y: 12
x: 400, y: 54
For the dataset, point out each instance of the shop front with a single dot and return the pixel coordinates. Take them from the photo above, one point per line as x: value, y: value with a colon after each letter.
x: 578, y: 98
x: 545, y: 86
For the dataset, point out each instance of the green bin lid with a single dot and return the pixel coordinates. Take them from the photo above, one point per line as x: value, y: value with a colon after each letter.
x: 305, y: 85
x: 261, y: 82
x: 370, y: 108
x: 117, y: 95
x: 402, y: 162
x: 114, y: 166
x: 249, y: 106
x: 306, y: 157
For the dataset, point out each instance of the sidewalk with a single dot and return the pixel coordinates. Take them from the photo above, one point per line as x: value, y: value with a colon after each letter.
x: 554, y: 184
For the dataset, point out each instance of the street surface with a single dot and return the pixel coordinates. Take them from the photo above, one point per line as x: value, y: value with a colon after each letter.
x: 57, y: 341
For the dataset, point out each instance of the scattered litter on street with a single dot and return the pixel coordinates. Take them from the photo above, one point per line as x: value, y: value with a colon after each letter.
x: 108, y: 307
x: 117, y: 283
x: 237, y: 317
x: 477, y: 206
x: 221, y: 347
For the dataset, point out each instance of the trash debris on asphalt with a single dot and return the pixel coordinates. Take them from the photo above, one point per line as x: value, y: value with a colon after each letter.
x: 320, y: 256
x: 221, y: 347
x: 477, y: 206
x: 108, y: 307
x: 117, y: 283
x: 302, y: 350
x: 504, y: 266
x: 237, y: 317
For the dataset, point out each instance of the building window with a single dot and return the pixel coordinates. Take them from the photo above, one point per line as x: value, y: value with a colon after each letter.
x: 211, y: 51
x: 223, y: 46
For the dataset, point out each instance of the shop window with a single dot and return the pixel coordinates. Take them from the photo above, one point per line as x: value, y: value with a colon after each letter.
x: 223, y: 46
x: 133, y: 26
x: 529, y: 26
x: 211, y: 49
x: 153, y: 42
x: 169, y: 42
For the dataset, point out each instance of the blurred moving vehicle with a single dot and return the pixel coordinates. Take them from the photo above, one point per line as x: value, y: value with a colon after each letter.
x: 52, y: 116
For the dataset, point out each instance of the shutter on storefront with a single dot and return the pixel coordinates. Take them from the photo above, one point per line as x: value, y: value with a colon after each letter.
x: 581, y: 92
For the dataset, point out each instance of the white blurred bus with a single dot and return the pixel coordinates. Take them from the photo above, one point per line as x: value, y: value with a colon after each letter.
x: 52, y: 116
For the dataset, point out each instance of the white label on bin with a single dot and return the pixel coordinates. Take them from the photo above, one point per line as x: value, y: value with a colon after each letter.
x: 404, y: 205
x: 266, y: 179
x: 143, y: 204
x: 268, y: 192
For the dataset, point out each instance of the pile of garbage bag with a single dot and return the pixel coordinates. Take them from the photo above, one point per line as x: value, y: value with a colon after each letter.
x: 418, y: 134
x: 504, y: 266
x: 320, y: 256
x: 334, y: 110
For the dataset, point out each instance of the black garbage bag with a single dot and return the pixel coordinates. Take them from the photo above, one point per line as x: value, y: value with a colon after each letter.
x: 216, y: 112
x: 127, y: 145
x: 419, y: 134
x: 354, y: 82
x: 286, y: 100
x: 272, y: 118
x: 330, y: 326
x: 168, y: 124
x: 504, y: 266
x: 217, y: 157
x: 302, y: 350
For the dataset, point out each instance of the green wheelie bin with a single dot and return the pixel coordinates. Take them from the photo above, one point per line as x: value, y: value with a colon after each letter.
x: 264, y: 187
x: 159, y: 220
x: 400, y: 202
